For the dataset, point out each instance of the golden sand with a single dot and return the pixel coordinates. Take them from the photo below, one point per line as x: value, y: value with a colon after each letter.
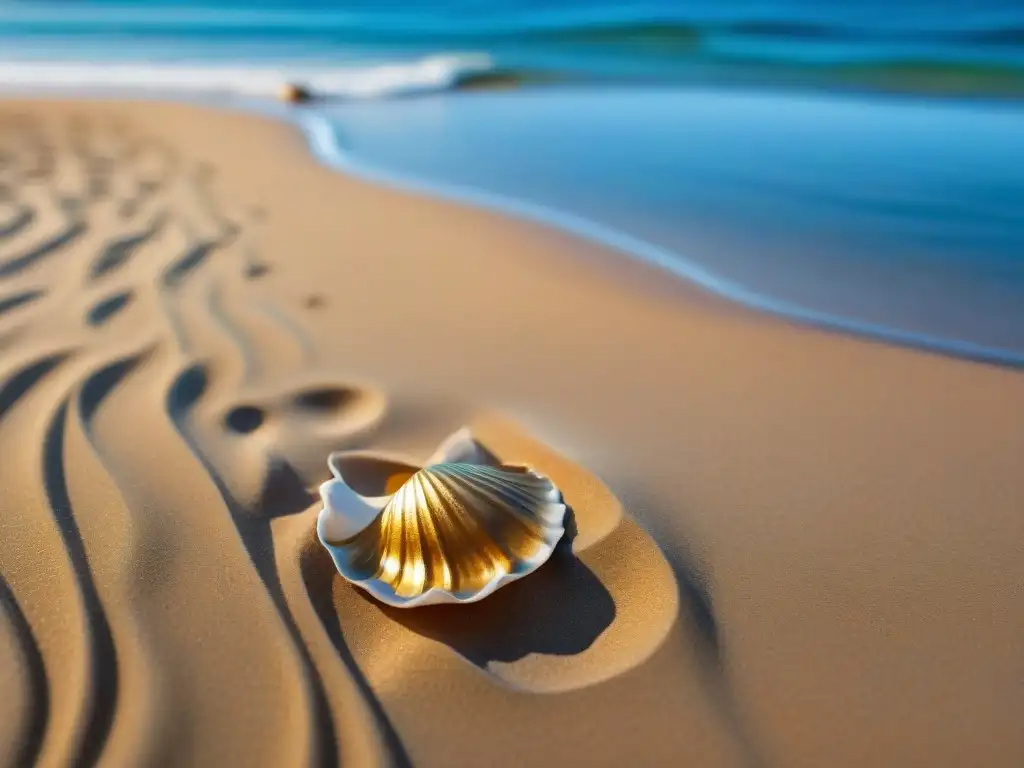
x: 793, y: 548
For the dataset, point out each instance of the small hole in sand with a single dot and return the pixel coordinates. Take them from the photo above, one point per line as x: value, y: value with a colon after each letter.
x: 256, y: 270
x: 244, y: 419
x: 315, y: 301
x: 324, y: 399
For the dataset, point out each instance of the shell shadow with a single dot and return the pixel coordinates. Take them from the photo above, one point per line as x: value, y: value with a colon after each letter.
x: 560, y: 610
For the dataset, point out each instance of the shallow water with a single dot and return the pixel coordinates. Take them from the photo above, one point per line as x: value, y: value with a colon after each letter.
x: 874, y: 214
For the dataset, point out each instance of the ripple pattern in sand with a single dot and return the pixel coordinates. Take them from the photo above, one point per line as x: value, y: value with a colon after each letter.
x: 169, y: 423
x: 118, y: 516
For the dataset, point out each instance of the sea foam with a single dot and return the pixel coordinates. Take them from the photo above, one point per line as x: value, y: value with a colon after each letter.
x: 364, y: 80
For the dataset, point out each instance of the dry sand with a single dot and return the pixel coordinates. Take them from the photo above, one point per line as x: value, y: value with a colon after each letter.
x: 803, y: 549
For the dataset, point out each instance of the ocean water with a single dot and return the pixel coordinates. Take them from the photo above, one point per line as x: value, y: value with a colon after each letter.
x: 858, y: 166
x: 889, y: 218
x: 920, y: 41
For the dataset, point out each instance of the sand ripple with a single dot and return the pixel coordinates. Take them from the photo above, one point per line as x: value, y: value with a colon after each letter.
x: 162, y: 596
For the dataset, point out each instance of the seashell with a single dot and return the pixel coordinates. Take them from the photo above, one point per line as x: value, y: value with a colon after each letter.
x: 453, y: 532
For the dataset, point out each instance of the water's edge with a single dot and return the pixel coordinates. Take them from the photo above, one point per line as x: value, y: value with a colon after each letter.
x: 324, y: 143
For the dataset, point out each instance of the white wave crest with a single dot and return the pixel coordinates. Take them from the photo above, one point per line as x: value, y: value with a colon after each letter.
x: 356, y: 81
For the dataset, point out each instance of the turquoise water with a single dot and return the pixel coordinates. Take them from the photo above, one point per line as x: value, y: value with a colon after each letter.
x: 663, y: 39
x: 721, y: 141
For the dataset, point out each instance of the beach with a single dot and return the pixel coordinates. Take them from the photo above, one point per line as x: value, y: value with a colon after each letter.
x: 888, y: 218
x: 792, y: 547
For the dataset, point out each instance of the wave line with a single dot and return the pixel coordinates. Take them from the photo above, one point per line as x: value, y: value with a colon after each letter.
x: 325, y: 145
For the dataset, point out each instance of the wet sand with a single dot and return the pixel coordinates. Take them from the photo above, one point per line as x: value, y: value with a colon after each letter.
x: 791, y: 547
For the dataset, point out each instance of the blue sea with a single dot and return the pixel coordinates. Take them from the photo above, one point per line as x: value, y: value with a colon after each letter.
x: 857, y: 166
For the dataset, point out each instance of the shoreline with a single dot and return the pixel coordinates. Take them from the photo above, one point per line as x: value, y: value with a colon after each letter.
x: 322, y: 139
x: 793, y: 547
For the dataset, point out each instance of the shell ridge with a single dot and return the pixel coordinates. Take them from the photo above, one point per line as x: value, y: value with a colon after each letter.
x: 507, y: 524
x: 487, y: 555
x: 528, y: 486
x: 501, y: 487
x: 494, y: 520
x: 391, y: 541
x: 413, y: 561
x: 520, y: 534
x: 462, y: 540
x: 399, y: 553
x: 487, y: 548
x: 438, y: 554
x: 445, y: 536
x: 521, y: 507
x: 433, y: 549
x: 457, y: 538
x: 536, y: 506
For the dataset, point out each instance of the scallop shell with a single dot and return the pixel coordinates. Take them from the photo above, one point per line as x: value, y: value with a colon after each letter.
x: 454, y: 532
